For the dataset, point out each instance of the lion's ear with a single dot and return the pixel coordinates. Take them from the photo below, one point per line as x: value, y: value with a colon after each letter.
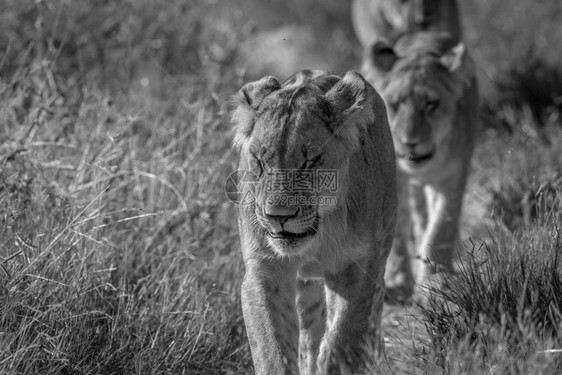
x: 458, y: 61
x: 254, y: 93
x: 349, y: 101
x: 245, y: 104
x: 383, y: 56
x: 454, y: 58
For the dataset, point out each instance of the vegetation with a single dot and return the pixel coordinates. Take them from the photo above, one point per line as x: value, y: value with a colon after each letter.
x: 118, y: 248
x: 501, y: 313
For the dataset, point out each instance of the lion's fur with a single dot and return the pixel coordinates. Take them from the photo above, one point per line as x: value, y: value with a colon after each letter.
x: 294, y: 290
x: 429, y: 86
x: 390, y: 19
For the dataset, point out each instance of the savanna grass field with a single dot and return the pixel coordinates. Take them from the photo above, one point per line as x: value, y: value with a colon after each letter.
x: 119, y: 250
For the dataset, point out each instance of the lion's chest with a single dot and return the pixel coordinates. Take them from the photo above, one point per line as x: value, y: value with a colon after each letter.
x: 328, y: 257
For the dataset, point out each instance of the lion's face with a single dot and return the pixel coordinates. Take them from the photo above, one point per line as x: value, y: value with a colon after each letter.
x: 295, y: 143
x: 289, y: 148
x: 421, y: 91
x: 421, y: 107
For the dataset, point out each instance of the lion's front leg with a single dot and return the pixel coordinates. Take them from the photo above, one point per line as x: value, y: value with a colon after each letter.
x: 418, y: 212
x: 311, y: 307
x: 268, y: 306
x: 350, y: 297
x: 436, y: 249
x: 399, y: 277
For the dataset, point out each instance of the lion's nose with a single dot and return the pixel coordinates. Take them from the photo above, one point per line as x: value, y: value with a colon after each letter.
x: 422, y: 16
x: 421, y: 20
x: 279, y: 213
x: 410, y: 142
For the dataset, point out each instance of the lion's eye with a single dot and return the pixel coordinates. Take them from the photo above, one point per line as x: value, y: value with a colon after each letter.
x: 256, y: 165
x: 394, y: 106
x: 309, y: 163
x: 431, y: 105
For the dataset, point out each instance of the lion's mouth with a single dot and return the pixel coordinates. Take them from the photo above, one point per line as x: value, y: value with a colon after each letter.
x: 416, y: 158
x: 284, y: 235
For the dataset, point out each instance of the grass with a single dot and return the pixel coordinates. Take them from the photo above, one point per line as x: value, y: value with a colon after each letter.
x: 118, y: 248
x: 118, y: 252
x: 471, y: 334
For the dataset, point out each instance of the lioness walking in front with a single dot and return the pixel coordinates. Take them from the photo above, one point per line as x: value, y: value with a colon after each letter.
x: 315, y: 254
x: 429, y: 85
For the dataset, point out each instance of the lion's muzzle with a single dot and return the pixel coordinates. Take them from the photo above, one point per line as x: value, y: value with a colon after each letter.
x: 286, y: 222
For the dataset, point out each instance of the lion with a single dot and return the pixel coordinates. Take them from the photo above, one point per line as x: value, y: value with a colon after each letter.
x: 314, y: 253
x: 390, y: 19
x: 428, y: 82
